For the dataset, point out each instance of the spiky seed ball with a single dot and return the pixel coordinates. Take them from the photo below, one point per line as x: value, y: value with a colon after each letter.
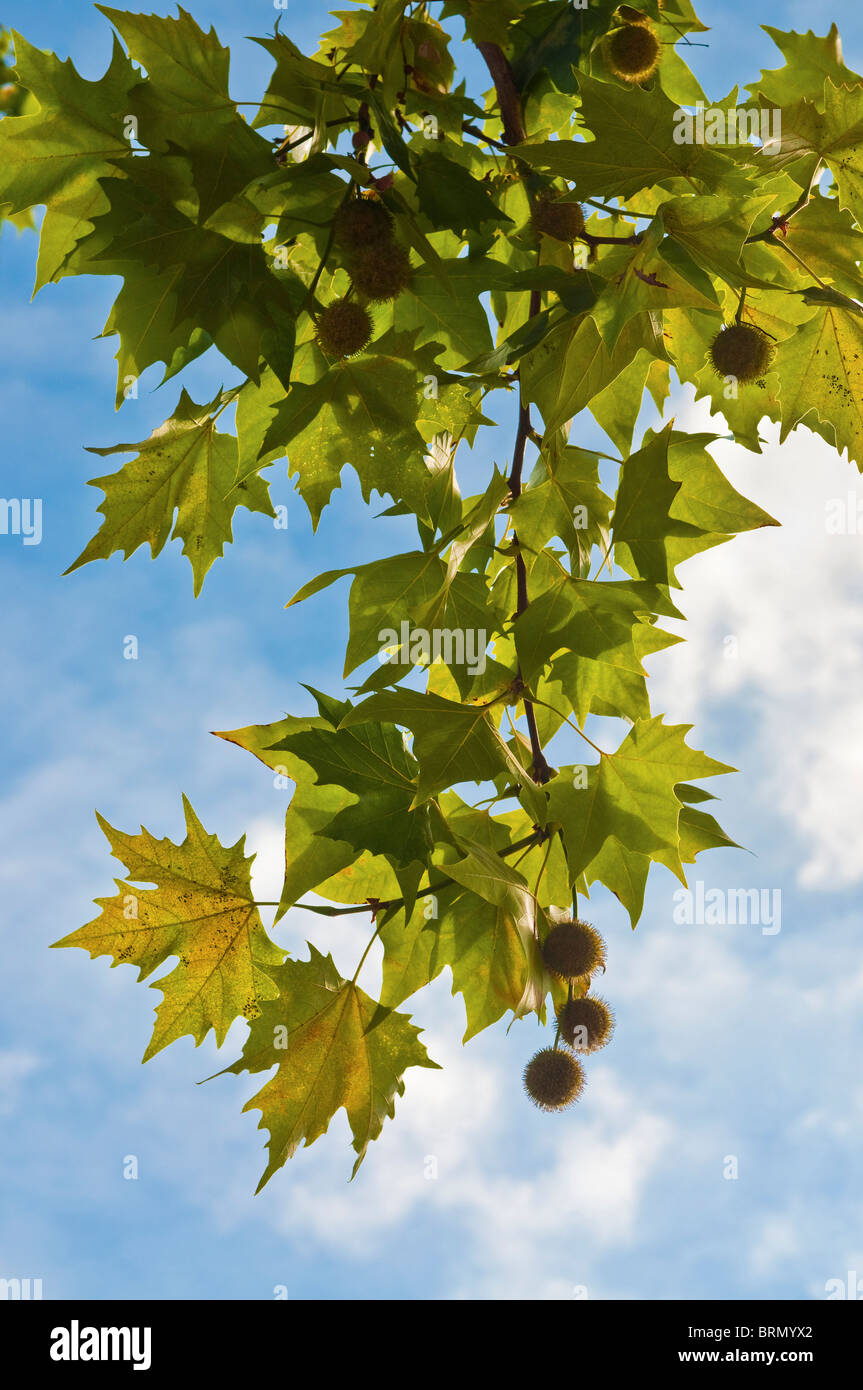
x: 344, y: 328
x: 362, y: 222
x: 563, y: 221
x: 633, y: 52
x: 572, y: 949
x: 586, y: 1024
x: 380, y: 271
x: 553, y: 1079
x: 742, y: 351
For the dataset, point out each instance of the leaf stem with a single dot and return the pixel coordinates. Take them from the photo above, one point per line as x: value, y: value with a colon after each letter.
x: 534, y: 838
x: 778, y: 222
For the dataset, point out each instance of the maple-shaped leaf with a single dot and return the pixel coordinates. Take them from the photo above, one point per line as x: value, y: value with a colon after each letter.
x: 450, y: 196
x: 188, y: 468
x: 227, y: 288
x: 185, y: 103
x: 713, y: 231
x: 452, y: 742
x: 202, y: 910
x: 415, y: 589
x: 441, y: 304
x: 634, y: 145
x: 341, y: 1050
x: 313, y: 860
x: 809, y: 59
x: 144, y: 316
x: 371, y: 762
x: 830, y: 243
x: 654, y: 275
x: 57, y: 155
x: 563, y: 498
x: 597, y: 624
x: 565, y: 371
x: 700, y: 831
x: 623, y: 872
x: 362, y: 412
x: 630, y: 794
x: 834, y: 134
x: 301, y: 90
x: 617, y: 408
x: 643, y: 524
x: 483, y: 923
x: 482, y: 943
x: 822, y: 372
x: 705, y: 500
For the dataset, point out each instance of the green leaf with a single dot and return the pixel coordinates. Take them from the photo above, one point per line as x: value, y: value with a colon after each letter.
x: 597, y: 624
x: 313, y: 861
x: 441, y: 304
x: 563, y: 498
x: 630, y: 794
x: 700, y: 831
x: 202, y: 910
x: 186, y: 468
x: 713, y: 231
x: 642, y: 524
x: 633, y: 148
x: 452, y: 742
x: 623, y: 872
x: 451, y: 197
x: 652, y: 276
x: 809, y: 60
x: 372, y: 763
x: 226, y: 288
x: 343, y: 1052
x: 834, y: 134
x: 185, y: 103
x: 145, y: 318
x: 573, y: 364
x: 363, y: 412
x: 56, y: 156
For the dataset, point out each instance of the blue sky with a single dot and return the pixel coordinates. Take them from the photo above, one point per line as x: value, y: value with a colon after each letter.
x: 730, y: 1041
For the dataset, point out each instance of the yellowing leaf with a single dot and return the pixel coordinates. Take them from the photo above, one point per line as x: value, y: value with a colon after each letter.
x: 822, y: 372
x: 185, y: 467
x: 335, y: 1048
x: 202, y: 911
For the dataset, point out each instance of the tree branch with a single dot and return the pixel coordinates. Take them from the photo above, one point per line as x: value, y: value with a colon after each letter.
x: 536, y: 837
x: 514, y: 132
x: 507, y: 92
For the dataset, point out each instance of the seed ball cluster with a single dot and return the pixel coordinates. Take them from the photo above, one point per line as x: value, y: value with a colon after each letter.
x: 633, y: 52
x: 344, y: 328
x: 380, y: 271
x: 742, y: 351
x: 362, y: 222
x: 553, y: 1078
x: 379, y: 268
x: 572, y: 949
x: 563, y: 221
x: 585, y: 1024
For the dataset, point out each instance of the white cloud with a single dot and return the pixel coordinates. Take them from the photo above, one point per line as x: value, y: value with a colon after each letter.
x: 775, y: 625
